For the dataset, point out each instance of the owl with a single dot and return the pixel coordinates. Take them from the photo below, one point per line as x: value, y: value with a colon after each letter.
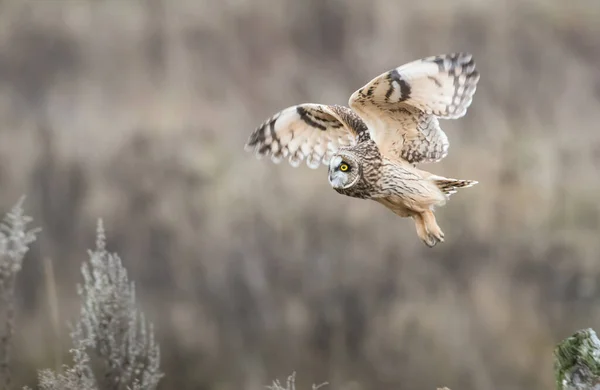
x: 372, y: 148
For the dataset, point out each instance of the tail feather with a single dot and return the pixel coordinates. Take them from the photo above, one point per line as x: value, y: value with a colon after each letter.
x: 450, y: 186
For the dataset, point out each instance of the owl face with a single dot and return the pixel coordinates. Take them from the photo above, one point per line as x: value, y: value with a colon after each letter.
x: 344, y: 171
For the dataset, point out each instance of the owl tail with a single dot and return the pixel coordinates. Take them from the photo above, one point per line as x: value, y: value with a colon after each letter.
x: 450, y: 186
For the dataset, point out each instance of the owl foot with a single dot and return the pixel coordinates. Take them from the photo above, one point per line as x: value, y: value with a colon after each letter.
x: 435, y: 237
x: 434, y: 234
x: 422, y: 232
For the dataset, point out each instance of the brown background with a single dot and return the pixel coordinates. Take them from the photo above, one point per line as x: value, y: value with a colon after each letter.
x: 137, y: 112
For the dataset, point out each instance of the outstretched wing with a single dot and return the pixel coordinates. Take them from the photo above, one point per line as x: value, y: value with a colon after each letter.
x: 401, y: 107
x: 306, y: 131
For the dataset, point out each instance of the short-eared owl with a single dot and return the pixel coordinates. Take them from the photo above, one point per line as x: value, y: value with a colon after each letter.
x: 372, y: 148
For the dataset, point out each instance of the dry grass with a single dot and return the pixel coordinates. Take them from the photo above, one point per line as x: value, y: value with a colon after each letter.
x: 137, y: 112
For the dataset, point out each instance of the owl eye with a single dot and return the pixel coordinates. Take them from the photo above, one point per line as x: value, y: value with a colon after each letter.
x: 344, y: 167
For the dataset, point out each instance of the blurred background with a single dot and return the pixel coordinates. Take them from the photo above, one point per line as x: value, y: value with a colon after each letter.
x: 137, y: 112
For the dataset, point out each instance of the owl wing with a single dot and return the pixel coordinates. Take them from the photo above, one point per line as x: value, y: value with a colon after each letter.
x: 401, y: 107
x: 306, y: 131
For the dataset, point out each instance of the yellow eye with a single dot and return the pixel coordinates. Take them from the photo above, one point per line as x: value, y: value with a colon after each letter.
x: 344, y: 167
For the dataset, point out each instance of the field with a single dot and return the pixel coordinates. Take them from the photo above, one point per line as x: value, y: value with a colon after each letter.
x: 137, y: 112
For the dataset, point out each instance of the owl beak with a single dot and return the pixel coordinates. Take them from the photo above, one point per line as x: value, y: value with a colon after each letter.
x: 337, y: 180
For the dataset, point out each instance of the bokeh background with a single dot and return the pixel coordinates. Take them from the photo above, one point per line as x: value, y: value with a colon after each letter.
x: 137, y: 111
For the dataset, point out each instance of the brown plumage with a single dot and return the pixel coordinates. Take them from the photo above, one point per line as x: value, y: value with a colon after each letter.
x: 372, y: 148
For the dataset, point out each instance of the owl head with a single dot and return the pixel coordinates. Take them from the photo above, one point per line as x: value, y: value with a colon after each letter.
x: 344, y: 170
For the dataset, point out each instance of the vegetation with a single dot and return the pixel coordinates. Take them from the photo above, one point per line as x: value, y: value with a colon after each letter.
x: 577, y: 362
x: 14, y: 244
x: 110, y: 334
x: 112, y: 331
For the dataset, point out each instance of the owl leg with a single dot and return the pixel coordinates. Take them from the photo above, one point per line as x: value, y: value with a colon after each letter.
x: 422, y: 230
x: 435, y: 233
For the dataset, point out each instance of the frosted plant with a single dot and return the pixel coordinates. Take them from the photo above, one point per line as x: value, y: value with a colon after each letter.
x: 291, y: 384
x: 14, y: 244
x: 111, y: 334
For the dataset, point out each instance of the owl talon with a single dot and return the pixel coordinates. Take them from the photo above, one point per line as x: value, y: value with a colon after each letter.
x: 436, y: 238
x: 430, y: 241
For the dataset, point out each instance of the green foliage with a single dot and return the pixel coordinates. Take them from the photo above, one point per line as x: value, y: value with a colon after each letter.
x: 577, y: 361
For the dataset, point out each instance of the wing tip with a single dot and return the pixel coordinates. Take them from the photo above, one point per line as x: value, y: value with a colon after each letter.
x: 249, y: 147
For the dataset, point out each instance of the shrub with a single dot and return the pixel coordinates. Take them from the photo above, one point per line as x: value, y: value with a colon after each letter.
x: 111, y: 334
x: 14, y: 244
x: 113, y: 344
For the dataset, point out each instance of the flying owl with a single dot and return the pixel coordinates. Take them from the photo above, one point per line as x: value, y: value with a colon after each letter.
x: 372, y: 148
